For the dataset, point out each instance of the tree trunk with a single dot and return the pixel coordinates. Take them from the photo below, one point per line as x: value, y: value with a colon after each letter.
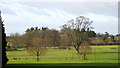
x: 77, y: 49
x: 37, y: 56
x: 84, y: 56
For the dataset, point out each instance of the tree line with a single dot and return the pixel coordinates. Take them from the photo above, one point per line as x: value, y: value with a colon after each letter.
x: 76, y: 32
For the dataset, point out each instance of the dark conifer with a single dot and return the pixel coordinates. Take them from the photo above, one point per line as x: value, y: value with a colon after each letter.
x: 4, y: 44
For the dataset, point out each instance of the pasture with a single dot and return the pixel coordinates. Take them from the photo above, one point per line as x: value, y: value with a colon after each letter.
x: 101, y: 54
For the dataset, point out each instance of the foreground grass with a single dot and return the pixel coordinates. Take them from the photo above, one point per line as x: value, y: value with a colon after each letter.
x: 104, y: 54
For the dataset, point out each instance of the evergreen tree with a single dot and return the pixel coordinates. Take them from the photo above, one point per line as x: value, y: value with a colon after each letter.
x: 91, y: 34
x: 4, y: 44
x: 44, y: 28
x: 27, y: 30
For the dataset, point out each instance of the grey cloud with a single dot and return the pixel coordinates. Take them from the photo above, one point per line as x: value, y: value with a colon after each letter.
x: 79, y: 8
x: 8, y: 10
x: 107, y: 9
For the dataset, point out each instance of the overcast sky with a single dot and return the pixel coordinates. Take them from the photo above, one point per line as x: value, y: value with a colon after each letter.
x: 19, y: 16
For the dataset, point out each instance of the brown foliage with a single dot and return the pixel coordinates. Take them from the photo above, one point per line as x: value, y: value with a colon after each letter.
x: 51, y: 37
x: 84, y: 49
x: 37, y: 47
x: 96, y: 40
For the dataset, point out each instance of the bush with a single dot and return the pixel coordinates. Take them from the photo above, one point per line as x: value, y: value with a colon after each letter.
x: 14, y: 58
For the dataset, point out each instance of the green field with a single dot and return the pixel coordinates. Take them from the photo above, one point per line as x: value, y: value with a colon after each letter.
x: 103, y: 54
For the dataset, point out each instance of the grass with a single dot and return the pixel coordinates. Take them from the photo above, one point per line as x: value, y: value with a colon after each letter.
x: 104, y: 54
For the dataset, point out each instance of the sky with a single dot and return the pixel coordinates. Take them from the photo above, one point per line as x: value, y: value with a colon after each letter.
x: 18, y: 16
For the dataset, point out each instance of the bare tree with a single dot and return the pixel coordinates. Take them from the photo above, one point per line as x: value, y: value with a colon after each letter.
x: 37, y: 47
x: 76, y: 30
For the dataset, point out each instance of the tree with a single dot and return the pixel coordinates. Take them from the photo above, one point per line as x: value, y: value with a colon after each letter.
x: 4, y: 43
x: 76, y: 30
x: 31, y: 29
x: 37, y: 47
x: 113, y: 38
x: 16, y: 40
x: 27, y: 37
x: 118, y: 40
x: 9, y: 46
x: 64, y: 40
x: 109, y: 41
x: 105, y: 36
x: 91, y: 34
x: 52, y: 37
x: 36, y: 28
x: 27, y: 30
x: 85, y: 49
x: 44, y: 28
x: 96, y: 41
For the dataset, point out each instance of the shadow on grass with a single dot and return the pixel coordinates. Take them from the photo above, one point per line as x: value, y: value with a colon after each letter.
x: 15, y: 50
x: 65, y: 64
x: 110, y: 52
x: 61, y: 67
